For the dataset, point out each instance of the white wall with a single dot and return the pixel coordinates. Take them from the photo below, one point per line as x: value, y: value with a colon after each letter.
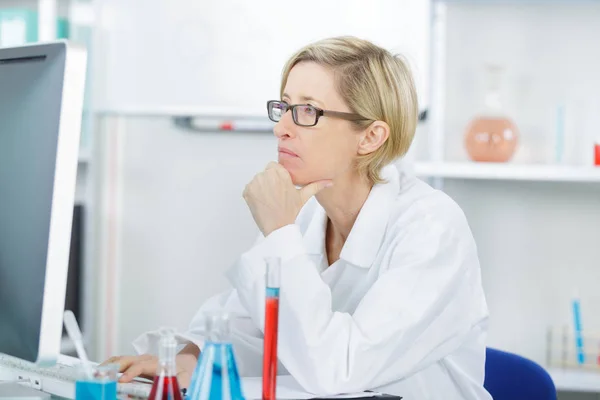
x: 550, y: 53
x: 184, y: 220
x: 538, y: 242
x: 179, y: 221
x: 228, y: 55
x: 538, y: 245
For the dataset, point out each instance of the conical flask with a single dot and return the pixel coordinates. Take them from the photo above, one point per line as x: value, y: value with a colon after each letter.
x: 165, y: 386
x: 216, y: 375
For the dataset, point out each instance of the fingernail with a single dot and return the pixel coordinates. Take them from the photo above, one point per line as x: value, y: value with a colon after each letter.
x: 330, y: 184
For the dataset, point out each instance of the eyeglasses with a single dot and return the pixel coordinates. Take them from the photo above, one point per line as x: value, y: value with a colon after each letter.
x: 305, y: 114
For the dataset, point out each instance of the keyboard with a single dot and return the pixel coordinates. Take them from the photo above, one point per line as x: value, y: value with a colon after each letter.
x: 59, y: 380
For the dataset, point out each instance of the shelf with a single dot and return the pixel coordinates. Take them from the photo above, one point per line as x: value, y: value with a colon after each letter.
x: 575, y: 380
x: 511, y: 172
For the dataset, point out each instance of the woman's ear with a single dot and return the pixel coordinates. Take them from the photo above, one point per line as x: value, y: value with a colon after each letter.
x: 373, y: 137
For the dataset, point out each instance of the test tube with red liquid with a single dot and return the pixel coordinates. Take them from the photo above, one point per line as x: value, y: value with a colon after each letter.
x: 273, y: 278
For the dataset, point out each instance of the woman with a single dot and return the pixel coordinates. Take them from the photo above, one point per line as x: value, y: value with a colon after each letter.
x: 381, y: 286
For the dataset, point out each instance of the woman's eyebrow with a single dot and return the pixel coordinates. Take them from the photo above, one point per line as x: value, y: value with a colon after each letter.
x: 304, y: 99
x: 309, y: 98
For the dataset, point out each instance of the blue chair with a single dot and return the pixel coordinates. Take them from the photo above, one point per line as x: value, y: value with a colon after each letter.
x: 512, y: 377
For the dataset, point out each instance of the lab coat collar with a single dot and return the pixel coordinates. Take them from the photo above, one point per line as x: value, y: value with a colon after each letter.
x: 314, y: 236
x: 366, y: 236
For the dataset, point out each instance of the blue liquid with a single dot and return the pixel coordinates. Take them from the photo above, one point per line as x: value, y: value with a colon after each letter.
x: 578, y: 334
x: 90, y: 390
x: 215, y: 374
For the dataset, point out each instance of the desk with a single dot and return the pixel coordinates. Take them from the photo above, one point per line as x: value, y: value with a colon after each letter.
x: 287, y: 387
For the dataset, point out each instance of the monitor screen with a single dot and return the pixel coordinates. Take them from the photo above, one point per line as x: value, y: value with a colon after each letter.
x: 31, y: 92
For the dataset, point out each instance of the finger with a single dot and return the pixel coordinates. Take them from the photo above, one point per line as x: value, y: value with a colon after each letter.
x: 123, y: 361
x: 312, y: 189
x: 147, y: 367
x: 184, y: 379
x: 132, y: 372
x: 272, y: 165
x: 274, y: 171
x: 111, y: 360
x: 126, y: 361
x: 283, y: 173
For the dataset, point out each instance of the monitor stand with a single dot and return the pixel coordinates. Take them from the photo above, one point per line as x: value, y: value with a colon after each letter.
x: 11, y: 390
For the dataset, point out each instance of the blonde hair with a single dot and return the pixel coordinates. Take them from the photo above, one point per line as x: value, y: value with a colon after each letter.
x: 376, y: 85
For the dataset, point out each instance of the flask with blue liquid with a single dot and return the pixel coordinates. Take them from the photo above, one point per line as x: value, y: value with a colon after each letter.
x: 216, y: 375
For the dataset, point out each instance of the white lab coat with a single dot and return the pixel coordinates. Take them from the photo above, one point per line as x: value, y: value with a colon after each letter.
x: 402, y: 311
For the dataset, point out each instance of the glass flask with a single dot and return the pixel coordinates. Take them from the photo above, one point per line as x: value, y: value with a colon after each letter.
x: 166, y: 386
x: 216, y: 375
x: 492, y: 136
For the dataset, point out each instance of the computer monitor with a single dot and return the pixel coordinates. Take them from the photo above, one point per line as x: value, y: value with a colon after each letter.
x: 41, y: 104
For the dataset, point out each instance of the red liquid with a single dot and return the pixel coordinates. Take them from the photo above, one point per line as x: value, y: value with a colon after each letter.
x: 169, y: 387
x: 270, y: 348
x: 597, y: 154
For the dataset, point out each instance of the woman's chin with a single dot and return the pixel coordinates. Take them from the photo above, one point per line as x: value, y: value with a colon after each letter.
x: 298, y: 175
x: 298, y: 181
x: 297, y: 178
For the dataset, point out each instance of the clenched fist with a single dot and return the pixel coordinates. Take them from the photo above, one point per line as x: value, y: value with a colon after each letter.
x: 273, y: 199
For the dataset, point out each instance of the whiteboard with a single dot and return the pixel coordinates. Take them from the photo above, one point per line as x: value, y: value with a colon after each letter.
x: 226, y: 56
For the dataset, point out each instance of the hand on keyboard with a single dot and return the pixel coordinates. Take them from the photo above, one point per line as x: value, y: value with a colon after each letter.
x: 64, y: 374
x: 146, y: 365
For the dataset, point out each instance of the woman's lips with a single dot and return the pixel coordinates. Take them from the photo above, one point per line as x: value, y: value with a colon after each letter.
x: 287, y: 153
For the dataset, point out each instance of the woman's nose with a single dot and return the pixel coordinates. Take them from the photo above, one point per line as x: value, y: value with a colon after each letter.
x: 285, y: 127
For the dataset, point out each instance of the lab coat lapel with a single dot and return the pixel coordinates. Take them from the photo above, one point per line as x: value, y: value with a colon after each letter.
x: 367, y: 234
x: 314, y: 235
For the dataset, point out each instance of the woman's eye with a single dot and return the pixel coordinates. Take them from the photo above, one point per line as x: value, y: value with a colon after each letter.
x: 308, y: 110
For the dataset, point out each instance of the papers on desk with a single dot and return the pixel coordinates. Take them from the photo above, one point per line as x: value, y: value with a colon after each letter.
x: 288, y: 389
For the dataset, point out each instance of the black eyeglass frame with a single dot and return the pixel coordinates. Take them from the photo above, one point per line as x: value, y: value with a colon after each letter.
x: 319, y: 113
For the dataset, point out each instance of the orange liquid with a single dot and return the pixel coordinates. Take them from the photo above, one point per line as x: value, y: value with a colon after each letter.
x: 491, y: 139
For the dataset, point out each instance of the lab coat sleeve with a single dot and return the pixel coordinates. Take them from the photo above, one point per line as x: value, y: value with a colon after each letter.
x: 419, y: 310
x: 228, y: 302
x: 245, y: 336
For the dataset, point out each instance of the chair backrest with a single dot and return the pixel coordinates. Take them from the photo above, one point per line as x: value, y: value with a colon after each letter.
x: 512, y: 377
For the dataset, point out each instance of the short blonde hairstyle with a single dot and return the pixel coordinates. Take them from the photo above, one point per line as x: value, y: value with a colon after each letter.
x: 376, y: 85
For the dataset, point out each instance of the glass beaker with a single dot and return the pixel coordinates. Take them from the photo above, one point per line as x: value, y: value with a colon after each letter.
x: 216, y: 375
